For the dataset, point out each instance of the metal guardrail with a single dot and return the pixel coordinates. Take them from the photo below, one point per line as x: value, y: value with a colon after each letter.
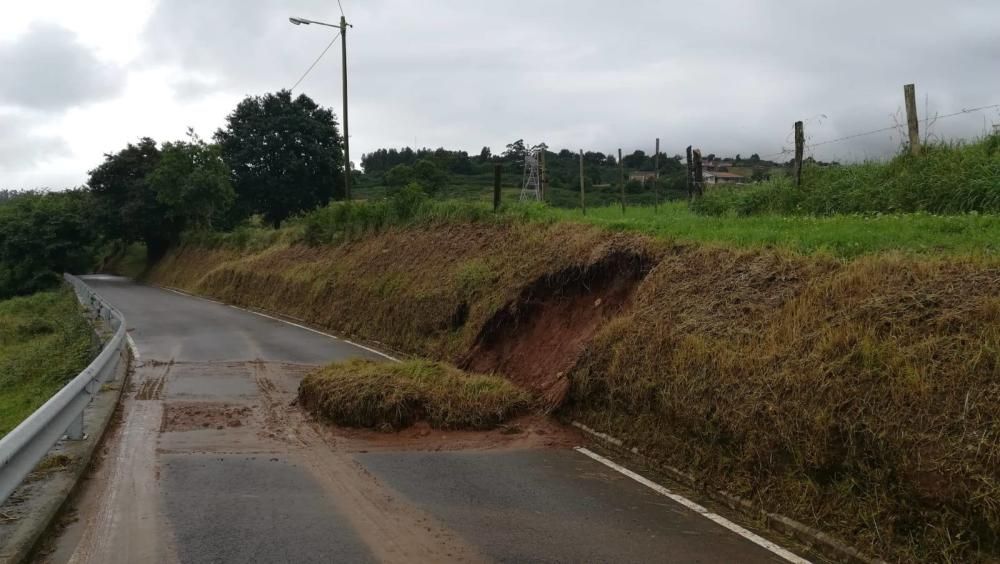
x: 25, y: 446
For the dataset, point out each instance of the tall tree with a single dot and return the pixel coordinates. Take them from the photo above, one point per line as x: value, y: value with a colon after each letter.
x: 485, y: 155
x: 126, y: 206
x: 192, y: 181
x: 636, y: 160
x: 286, y: 155
x: 43, y: 235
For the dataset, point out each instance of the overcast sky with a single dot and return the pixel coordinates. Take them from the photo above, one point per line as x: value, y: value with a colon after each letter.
x: 79, y: 79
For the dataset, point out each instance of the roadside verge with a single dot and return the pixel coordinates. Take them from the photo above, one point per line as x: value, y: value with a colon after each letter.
x: 33, y: 507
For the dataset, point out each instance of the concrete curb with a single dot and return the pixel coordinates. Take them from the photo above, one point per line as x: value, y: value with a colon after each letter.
x: 44, y: 495
x: 813, y: 539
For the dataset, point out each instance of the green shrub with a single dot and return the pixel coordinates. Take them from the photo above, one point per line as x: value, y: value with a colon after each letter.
x: 947, y: 178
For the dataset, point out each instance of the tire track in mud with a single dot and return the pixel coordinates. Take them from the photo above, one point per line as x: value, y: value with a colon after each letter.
x: 393, y: 529
x: 151, y: 387
x: 122, y: 501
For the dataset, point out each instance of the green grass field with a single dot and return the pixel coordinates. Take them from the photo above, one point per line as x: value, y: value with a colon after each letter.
x: 44, y: 341
x: 946, y: 201
x: 844, y: 236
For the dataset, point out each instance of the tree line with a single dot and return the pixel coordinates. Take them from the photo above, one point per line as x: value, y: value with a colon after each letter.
x: 435, y: 169
x: 276, y: 156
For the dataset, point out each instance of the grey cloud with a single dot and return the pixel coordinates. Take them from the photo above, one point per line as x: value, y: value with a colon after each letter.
x: 730, y: 76
x: 21, y: 149
x: 191, y: 88
x: 48, y: 69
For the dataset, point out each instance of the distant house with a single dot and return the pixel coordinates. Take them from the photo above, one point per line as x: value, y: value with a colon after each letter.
x: 716, y: 166
x: 724, y: 178
x: 642, y: 176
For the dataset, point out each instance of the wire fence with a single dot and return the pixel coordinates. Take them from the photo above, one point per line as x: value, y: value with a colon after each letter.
x: 897, y: 127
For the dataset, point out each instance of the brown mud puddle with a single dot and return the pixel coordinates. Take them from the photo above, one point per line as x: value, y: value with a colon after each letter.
x: 528, y: 432
x: 179, y: 416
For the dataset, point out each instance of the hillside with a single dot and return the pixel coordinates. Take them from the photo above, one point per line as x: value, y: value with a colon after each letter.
x: 857, y: 396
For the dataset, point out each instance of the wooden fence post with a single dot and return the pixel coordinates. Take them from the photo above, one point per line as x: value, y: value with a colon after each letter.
x: 910, y: 95
x: 690, y: 174
x: 621, y: 178
x: 656, y: 176
x: 583, y: 198
x: 800, y: 145
x: 497, y: 168
x: 699, y: 177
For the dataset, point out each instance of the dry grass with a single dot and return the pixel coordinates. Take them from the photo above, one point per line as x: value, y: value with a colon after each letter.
x: 451, y: 278
x: 390, y: 396
x: 860, y: 397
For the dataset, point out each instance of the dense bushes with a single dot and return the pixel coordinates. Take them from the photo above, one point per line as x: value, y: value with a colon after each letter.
x: 947, y: 178
x: 43, y: 235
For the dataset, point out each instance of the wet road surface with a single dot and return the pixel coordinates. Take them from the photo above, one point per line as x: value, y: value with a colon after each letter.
x: 211, y: 463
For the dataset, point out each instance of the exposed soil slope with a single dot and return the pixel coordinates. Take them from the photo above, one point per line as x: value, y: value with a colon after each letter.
x: 536, y: 339
x: 862, y: 398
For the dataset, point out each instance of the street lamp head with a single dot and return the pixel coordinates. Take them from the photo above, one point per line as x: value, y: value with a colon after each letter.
x: 298, y: 21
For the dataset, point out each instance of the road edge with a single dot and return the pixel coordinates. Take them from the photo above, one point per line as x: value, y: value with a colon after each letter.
x: 813, y: 539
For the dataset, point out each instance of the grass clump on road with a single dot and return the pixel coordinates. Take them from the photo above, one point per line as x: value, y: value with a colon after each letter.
x: 44, y: 341
x: 391, y: 396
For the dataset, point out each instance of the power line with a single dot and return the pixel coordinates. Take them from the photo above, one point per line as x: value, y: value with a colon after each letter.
x: 313, y: 65
x: 884, y: 129
x: 339, y: 5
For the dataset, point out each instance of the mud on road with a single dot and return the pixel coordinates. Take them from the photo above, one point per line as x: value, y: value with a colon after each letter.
x: 177, y: 416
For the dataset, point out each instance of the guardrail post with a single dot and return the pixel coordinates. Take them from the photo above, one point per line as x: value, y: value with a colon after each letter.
x: 75, y: 430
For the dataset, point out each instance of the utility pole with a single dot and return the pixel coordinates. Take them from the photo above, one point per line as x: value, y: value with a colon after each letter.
x: 343, y: 52
x: 347, y: 136
x: 583, y: 198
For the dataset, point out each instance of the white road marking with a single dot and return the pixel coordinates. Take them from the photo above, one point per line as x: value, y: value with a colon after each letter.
x: 335, y: 338
x: 752, y: 537
x: 285, y: 321
x: 180, y: 293
x: 132, y: 347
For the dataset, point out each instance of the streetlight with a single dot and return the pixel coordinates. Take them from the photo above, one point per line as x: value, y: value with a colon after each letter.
x: 343, y: 42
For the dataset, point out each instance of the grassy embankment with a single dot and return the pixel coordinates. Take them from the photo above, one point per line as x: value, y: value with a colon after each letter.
x: 44, y: 341
x: 854, y: 389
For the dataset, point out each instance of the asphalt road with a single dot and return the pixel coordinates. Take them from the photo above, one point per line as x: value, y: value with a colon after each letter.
x: 211, y: 463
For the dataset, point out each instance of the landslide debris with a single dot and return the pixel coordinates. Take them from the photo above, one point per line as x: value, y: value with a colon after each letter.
x: 392, y: 396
